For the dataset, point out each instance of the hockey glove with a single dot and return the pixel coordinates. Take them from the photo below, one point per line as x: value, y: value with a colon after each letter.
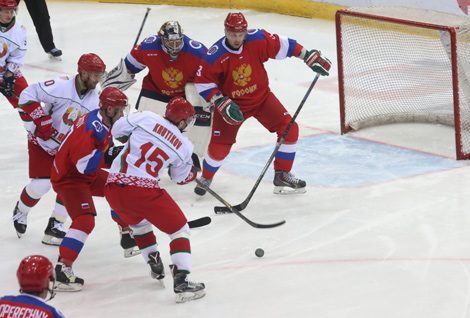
x: 191, y: 176
x: 8, y: 86
x: 111, y: 154
x: 43, y: 127
x: 317, y: 62
x: 229, y: 110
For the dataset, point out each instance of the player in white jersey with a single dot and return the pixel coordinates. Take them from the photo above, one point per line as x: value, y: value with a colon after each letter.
x: 13, y: 52
x: 65, y: 98
x: 153, y: 144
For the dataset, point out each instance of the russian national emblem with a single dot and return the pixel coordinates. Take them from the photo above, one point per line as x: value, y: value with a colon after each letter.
x: 241, y: 75
x: 172, y: 77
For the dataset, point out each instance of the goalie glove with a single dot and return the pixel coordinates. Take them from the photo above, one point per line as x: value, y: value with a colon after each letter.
x: 118, y: 77
x: 317, y: 62
x: 228, y: 109
x: 43, y: 127
x: 111, y: 154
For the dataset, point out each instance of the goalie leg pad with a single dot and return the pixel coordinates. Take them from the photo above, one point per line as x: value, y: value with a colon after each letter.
x: 156, y: 106
x: 200, y: 133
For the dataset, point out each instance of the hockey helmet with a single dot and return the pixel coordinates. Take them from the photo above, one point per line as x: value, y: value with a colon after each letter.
x: 91, y: 62
x: 112, y: 96
x: 235, y: 22
x: 171, y: 36
x: 35, y: 274
x: 8, y: 4
x: 179, y: 109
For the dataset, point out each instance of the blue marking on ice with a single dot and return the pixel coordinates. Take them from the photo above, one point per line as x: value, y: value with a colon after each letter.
x: 332, y: 160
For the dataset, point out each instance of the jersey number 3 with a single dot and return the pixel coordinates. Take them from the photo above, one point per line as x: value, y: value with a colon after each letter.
x: 158, y: 156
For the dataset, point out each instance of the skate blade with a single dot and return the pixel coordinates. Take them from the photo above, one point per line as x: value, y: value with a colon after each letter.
x: 162, y: 282
x: 51, y: 240
x: 19, y: 234
x: 282, y: 190
x: 130, y: 252
x: 70, y: 287
x: 187, y: 296
x: 54, y: 58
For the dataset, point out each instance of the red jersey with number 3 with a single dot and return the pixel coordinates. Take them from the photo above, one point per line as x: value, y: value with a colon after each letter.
x: 240, y: 74
x: 153, y: 144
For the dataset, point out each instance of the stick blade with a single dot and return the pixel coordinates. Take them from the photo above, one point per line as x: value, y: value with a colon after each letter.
x: 199, y: 222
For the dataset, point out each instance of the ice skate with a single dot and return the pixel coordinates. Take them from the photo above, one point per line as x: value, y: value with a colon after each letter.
x: 156, y: 266
x: 20, y: 221
x: 54, y: 233
x: 65, y: 279
x: 55, y: 54
x: 127, y: 242
x: 286, y: 183
x: 200, y: 190
x: 184, y: 289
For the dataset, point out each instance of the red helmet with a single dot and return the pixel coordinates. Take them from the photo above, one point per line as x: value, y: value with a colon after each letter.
x: 178, y: 109
x: 34, y: 273
x: 112, y: 96
x: 235, y: 22
x: 8, y: 4
x: 91, y: 62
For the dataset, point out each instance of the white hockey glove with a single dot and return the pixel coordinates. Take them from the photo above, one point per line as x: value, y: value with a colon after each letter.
x: 118, y: 77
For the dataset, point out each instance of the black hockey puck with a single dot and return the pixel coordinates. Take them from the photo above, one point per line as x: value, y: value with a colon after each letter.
x: 259, y: 252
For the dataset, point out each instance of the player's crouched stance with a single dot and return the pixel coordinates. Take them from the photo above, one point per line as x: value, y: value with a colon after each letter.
x: 36, y: 278
x: 154, y: 143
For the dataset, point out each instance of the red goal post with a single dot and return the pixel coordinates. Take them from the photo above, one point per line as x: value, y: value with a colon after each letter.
x: 398, y: 64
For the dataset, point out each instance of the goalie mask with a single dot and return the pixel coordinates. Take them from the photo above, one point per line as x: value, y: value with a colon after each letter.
x: 171, y: 37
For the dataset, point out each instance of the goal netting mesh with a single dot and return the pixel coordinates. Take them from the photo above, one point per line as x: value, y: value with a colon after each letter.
x: 400, y: 64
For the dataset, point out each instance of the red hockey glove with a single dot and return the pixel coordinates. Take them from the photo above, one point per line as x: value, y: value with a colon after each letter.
x: 191, y: 176
x: 229, y: 110
x: 43, y: 127
x: 317, y: 62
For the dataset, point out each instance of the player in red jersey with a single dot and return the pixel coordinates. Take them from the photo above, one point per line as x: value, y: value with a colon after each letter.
x: 77, y: 175
x: 36, y: 278
x: 234, y: 79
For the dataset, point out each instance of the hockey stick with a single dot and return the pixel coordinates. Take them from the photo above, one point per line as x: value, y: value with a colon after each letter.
x: 242, y: 206
x: 199, y: 222
x: 141, y: 27
x: 244, y: 218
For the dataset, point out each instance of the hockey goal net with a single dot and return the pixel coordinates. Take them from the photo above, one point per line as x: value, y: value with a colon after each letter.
x: 400, y: 64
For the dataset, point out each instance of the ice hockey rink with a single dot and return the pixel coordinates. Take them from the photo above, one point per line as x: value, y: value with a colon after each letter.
x: 383, y: 230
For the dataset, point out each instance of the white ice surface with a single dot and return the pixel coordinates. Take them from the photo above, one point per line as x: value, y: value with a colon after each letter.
x: 398, y: 248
